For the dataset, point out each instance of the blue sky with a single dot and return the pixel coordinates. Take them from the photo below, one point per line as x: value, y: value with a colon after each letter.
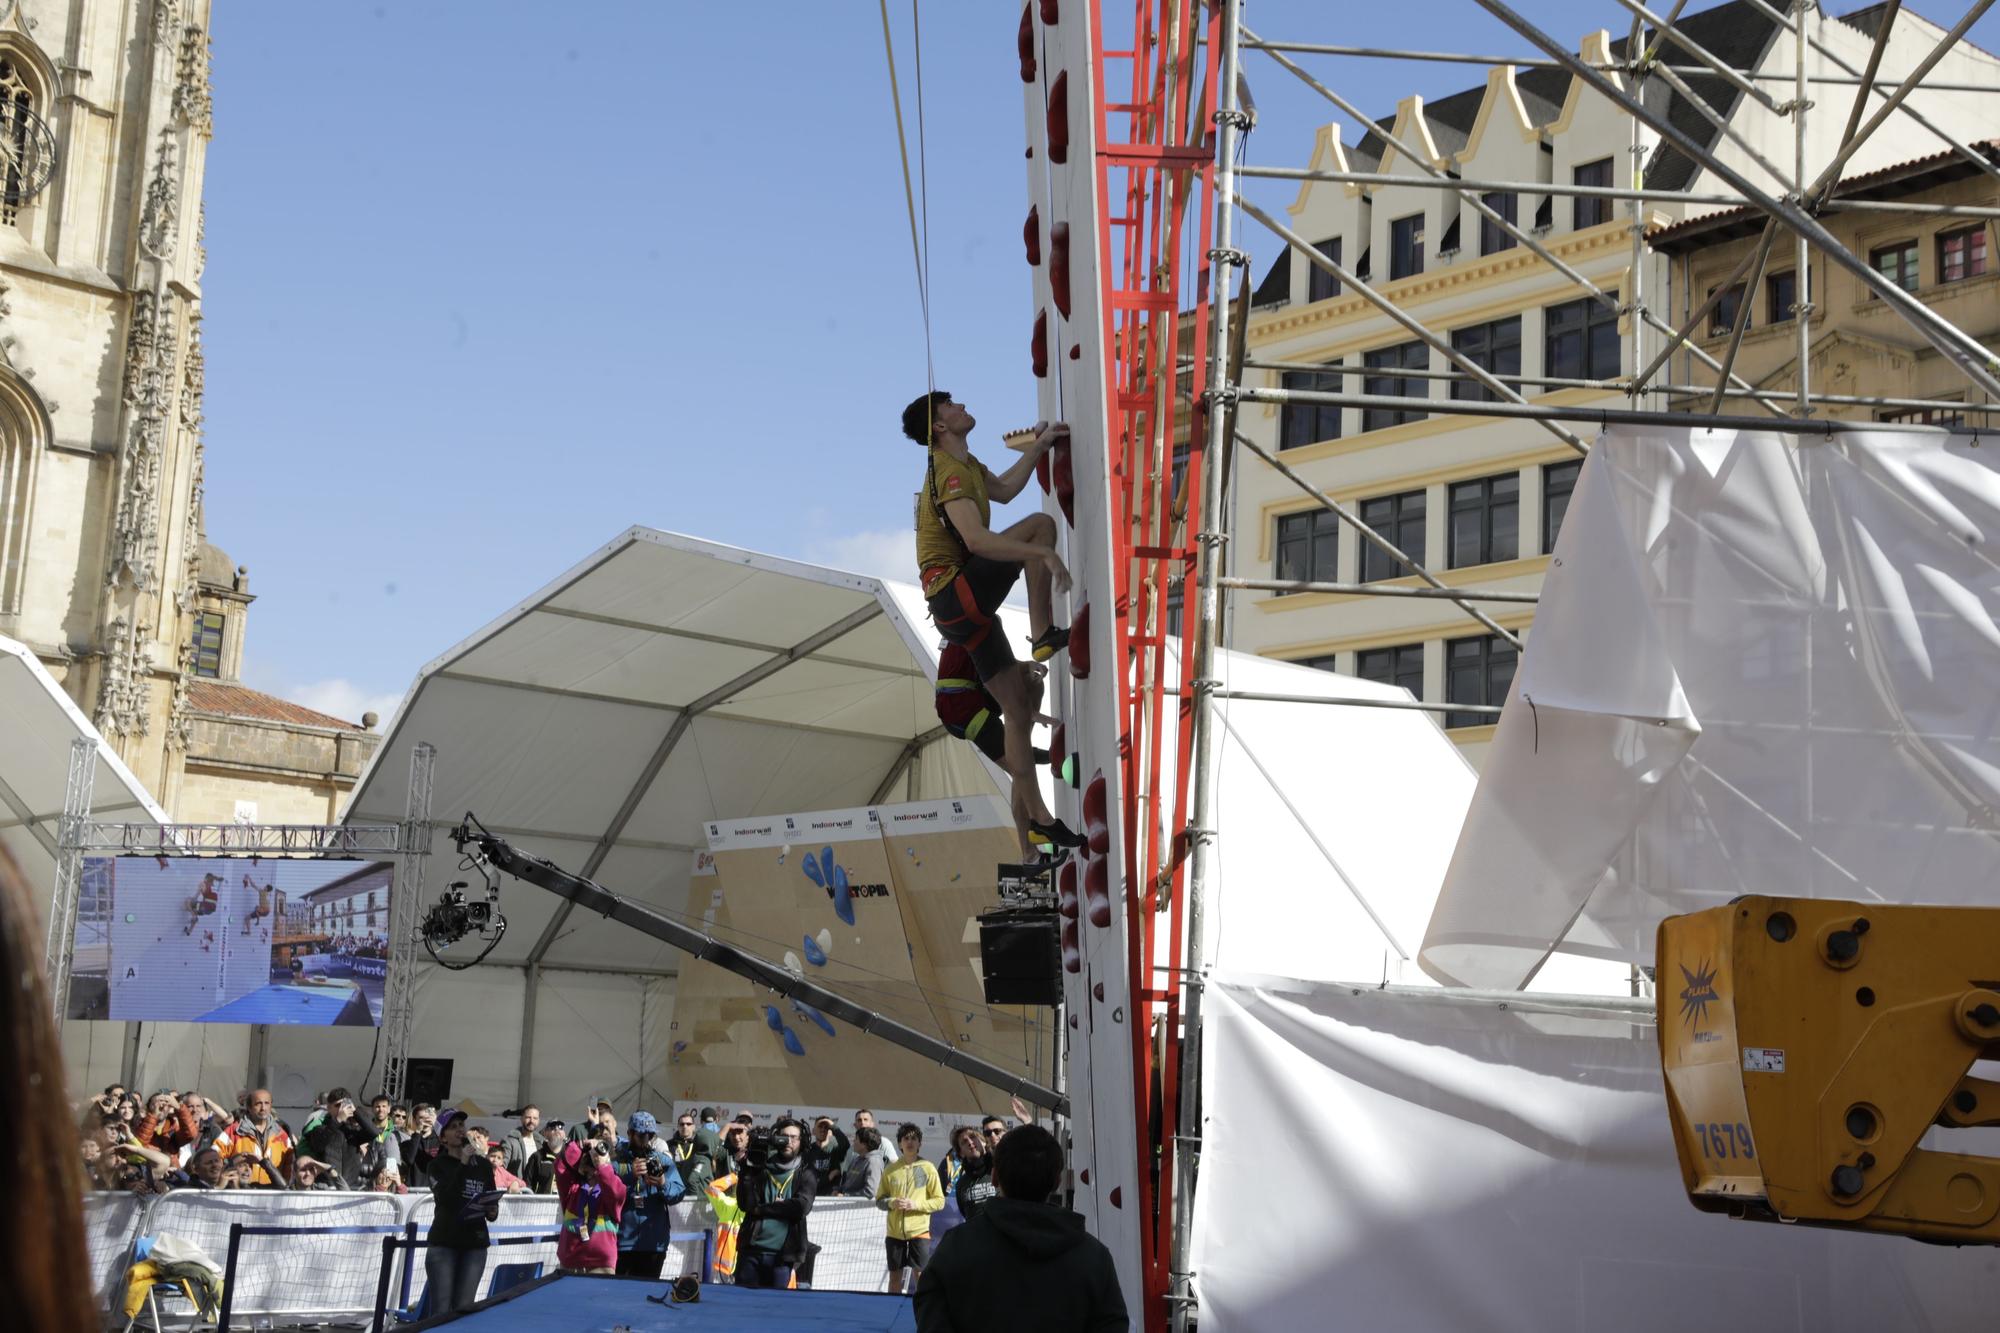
x: 491, y: 281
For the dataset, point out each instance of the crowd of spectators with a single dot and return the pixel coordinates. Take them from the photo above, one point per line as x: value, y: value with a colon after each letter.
x: 616, y: 1183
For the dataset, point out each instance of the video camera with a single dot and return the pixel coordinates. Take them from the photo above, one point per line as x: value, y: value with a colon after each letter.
x: 757, y: 1151
x: 453, y: 916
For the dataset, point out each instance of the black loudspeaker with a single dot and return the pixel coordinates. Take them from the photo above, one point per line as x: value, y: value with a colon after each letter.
x: 427, y: 1081
x: 1020, y: 956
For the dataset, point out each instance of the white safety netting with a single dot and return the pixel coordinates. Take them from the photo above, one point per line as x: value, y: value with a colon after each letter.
x: 1762, y: 663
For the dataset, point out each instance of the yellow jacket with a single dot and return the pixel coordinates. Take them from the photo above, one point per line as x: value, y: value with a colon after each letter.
x: 918, y: 1182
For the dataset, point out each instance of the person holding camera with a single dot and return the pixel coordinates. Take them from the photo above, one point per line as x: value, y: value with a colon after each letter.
x: 462, y: 1183
x: 593, y: 1203
x: 341, y: 1140
x: 776, y: 1192
x: 652, y: 1188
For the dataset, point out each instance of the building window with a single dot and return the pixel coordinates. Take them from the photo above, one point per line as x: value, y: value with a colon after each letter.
x: 1406, y: 246
x: 1723, y: 318
x: 1381, y: 381
x: 1477, y: 672
x: 1307, y: 423
x: 1962, y: 254
x: 1493, y: 238
x: 1897, y: 263
x: 1581, y: 339
x: 1319, y: 283
x: 1401, y: 665
x: 1781, y: 296
x: 1366, y: 268
x: 1400, y: 520
x: 1558, y: 484
x: 1485, y: 520
x: 21, y: 154
x: 1495, y: 348
x: 208, y: 644
x: 1324, y: 662
x: 1307, y: 546
x: 1590, y: 210
x: 1923, y: 416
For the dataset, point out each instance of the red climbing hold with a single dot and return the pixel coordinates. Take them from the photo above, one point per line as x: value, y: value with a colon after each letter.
x: 1066, y: 890
x: 1072, y: 952
x: 1027, y: 44
x: 1063, y: 480
x: 1038, y: 350
x: 1117, y: 1196
x: 1058, y: 133
x: 1042, y: 472
x: 1079, y: 640
x: 1059, y: 267
x: 1072, y: 1020
x: 1031, y: 234
x: 1096, y: 814
x: 1084, y: 1175
x: 1097, y: 888
x: 1075, y: 352
x: 1051, y: 13
x: 1098, y: 991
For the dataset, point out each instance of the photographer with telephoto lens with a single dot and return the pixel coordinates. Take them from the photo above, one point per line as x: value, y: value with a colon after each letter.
x: 652, y: 1187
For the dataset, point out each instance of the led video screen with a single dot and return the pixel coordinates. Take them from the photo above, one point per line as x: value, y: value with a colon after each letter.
x: 231, y: 939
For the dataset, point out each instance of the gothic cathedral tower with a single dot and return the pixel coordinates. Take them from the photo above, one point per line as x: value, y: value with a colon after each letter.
x: 104, y: 129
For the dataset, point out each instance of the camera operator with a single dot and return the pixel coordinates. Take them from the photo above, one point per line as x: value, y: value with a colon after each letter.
x: 652, y: 1187
x: 776, y: 1192
x: 593, y: 1199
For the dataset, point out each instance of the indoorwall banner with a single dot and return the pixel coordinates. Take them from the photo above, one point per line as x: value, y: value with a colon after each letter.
x: 1762, y: 663
x: 874, y: 903
x: 1397, y: 1160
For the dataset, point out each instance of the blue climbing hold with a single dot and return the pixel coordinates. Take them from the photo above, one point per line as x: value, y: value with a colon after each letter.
x: 826, y: 866
x: 792, y: 1042
x: 814, y: 1016
x: 811, y: 868
x: 773, y: 1018
x: 843, y: 901
x: 814, y: 954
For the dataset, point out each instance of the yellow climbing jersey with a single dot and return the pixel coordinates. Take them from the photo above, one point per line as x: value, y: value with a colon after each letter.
x: 940, y: 554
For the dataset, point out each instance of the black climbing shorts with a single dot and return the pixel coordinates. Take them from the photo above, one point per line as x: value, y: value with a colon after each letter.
x: 965, y: 612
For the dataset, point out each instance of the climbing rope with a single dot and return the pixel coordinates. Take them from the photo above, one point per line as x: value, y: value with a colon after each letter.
x: 920, y: 242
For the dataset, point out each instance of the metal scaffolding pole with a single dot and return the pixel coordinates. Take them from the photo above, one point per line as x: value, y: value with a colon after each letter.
x: 1348, y: 516
x: 1603, y: 416
x: 1973, y: 360
x: 1378, y: 590
x: 78, y: 791
x: 1206, y: 754
x: 399, y: 995
x: 1479, y: 205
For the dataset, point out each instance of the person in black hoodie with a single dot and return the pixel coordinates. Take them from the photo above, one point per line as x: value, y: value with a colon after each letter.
x: 343, y: 1138
x: 1021, y: 1263
x: 462, y: 1183
x: 775, y: 1199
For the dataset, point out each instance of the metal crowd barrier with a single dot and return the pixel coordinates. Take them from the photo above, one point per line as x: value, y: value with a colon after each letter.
x: 334, y: 1269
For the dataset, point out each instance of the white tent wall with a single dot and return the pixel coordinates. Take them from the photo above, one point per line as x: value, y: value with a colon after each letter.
x: 662, y: 682
x: 1469, y: 1163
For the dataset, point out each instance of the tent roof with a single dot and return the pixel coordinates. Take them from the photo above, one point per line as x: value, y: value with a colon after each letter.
x: 663, y: 682
x: 40, y: 723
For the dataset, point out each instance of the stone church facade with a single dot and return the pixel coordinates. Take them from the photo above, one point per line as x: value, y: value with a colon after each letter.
x: 105, y: 568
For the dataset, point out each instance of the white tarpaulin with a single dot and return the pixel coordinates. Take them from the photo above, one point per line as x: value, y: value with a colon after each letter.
x: 1397, y: 1160
x: 1762, y: 663
x: 37, y: 723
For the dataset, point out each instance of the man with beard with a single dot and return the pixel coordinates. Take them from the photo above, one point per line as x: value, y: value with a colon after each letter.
x: 775, y: 1197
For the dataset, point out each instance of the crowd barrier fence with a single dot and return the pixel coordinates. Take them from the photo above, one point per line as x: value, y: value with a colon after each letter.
x: 318, y: 1253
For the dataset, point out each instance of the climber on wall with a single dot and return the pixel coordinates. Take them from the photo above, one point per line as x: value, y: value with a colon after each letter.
x: 968, y: 570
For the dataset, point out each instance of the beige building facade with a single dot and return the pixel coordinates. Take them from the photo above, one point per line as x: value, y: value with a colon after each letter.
x: 1479, y: 501
x: 1857, y: 346
x: 105, y: 570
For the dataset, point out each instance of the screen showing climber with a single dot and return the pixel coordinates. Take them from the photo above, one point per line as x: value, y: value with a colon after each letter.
x: 232, y: 939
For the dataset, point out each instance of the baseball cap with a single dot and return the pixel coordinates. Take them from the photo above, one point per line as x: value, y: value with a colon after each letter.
x: 642, y: 1122
x: 446, y: 1117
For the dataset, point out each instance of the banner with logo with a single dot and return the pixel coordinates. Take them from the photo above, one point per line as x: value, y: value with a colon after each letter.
x: 874, y: 903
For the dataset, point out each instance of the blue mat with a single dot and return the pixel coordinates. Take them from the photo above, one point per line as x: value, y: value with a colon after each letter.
x: 597, y: 1304
x: 319, y: 1006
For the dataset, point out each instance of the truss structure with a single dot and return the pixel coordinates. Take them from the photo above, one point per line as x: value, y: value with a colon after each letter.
x: 1168, y: 143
